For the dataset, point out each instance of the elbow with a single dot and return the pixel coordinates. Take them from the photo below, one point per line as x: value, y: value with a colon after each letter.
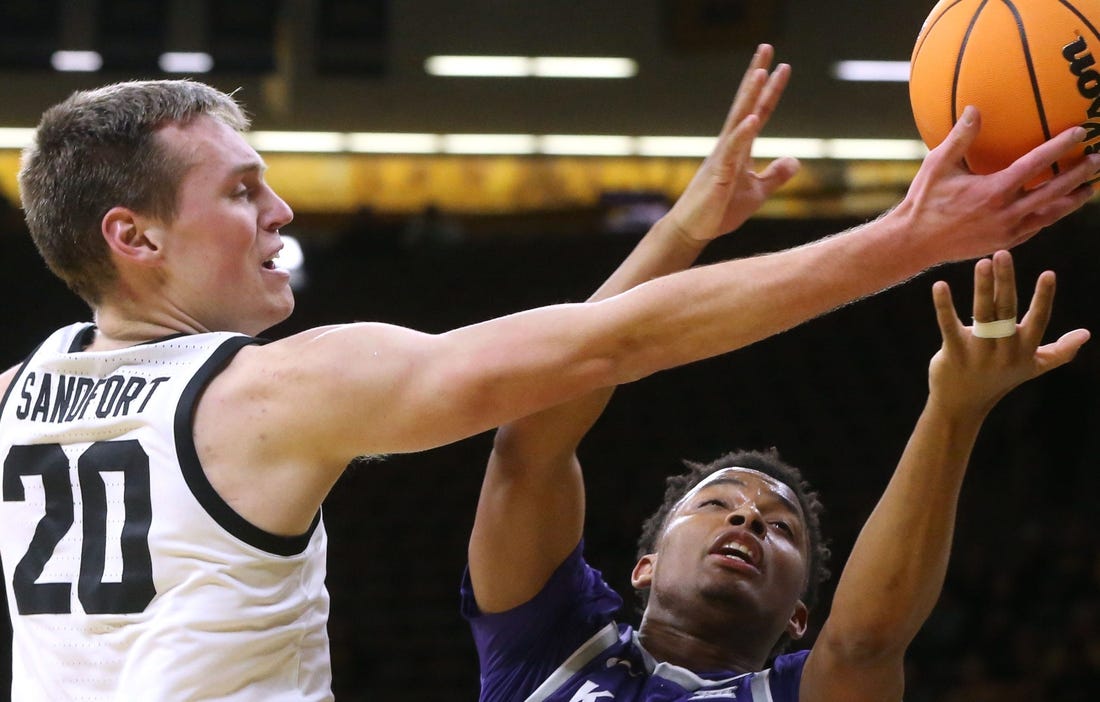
x: 863, y: 646
x: 629, y: 359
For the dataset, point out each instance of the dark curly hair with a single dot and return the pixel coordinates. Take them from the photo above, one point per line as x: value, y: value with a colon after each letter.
x: 769, y: 463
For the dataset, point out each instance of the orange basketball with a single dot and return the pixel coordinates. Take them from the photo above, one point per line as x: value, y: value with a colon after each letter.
x: 1029, y: 66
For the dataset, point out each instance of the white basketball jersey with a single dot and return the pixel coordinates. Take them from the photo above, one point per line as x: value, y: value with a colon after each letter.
x: 128, y: 578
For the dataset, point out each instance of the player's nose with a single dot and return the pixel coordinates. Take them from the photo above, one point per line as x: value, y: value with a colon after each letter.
x: 747, y: 515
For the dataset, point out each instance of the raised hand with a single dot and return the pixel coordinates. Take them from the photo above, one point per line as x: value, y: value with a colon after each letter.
x: 971, y: 373
x: 726, y: 191
x: 961, y: 215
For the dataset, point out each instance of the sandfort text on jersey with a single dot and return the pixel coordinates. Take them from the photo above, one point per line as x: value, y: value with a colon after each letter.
x: 48, y: 397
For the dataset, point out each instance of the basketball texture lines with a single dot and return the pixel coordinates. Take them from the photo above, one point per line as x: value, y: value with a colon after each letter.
x: 1029, y: 66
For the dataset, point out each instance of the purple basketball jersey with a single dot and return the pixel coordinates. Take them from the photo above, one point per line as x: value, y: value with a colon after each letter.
x: 564, y: 646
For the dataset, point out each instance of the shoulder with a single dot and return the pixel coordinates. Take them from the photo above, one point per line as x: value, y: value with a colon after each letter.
x: 785, y: 676
x: 574, y: 590
x: 330, y: 352
x: 6, y: 378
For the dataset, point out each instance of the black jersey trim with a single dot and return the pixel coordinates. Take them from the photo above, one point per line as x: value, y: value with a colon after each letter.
x: 82, y: 339
x: 196, y: 479
x: 86, y: 337
x: 23, y: 366
x: 17, y: 376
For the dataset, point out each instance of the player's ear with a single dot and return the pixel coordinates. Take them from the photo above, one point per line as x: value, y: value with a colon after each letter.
x: 130, y: 235
x: 642, y: 575
x: 796, y: 626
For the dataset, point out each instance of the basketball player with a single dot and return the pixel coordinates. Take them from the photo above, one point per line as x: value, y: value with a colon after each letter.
x: 730, y: 564
x: 163, y: 470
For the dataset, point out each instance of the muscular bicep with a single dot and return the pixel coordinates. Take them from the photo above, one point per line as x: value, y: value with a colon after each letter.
x: 362, y: 389
x: 373, y: 388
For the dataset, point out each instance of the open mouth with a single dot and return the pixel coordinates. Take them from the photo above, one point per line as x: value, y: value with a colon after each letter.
x: 736, y: 550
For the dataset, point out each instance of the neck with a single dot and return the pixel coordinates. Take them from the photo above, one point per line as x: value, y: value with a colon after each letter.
x: 726, y: 647
x: 118, y: 329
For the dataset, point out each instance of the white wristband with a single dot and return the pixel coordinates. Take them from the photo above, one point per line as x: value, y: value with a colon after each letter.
x: 994, y: 330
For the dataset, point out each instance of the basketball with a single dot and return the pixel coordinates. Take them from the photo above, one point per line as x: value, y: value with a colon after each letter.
x: 1028, y: 66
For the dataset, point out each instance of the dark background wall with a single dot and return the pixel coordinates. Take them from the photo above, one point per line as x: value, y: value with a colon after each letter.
x: 837, y: 396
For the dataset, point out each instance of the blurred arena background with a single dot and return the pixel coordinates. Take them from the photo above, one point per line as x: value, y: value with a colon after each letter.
x: 404, y: 217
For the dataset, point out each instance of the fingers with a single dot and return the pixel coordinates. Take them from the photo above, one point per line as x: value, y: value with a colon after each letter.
x: 1036, y: 162
x: 1026, y: 168
x: 994, y: 288
x: 953, y: 149
x: 984, y: 291
x: 1032, y: 222
x: 1004, y: 361
x: 752, y: 85
x: 995, y: 297
x: 734, y: 150
x: 759, y: 91
x: 1004, y: 286
x: 1064, y: 193
x: 773, y: 90
x: 1035, y: 321
x: 950, y: 326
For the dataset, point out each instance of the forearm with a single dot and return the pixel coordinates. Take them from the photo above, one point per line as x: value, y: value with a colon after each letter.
x: 678, y: 318
x: 714, y: 309
x: 440, y: 388
x: 896, y: 570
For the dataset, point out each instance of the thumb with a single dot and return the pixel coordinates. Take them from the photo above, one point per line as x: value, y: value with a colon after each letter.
x: 1061, y: 351
x: 961, y: 136
x: 779, y: 172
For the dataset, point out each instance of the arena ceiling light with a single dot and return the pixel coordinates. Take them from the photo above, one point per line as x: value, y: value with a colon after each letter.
x: 595, y: 145
x: 311, y: 142
x: 76, y: 61
x: 773, y: 147
x: 585, y: 145
x: 394, y: 143
x: 674, y: 146
x: 500, y: 144
x: 16, y: 137
x: 531, y: 66
x: 186, y: 62
x: 583, y: 67
x: 478, y: 66
x: 872, y: 71
x: 876, y: 149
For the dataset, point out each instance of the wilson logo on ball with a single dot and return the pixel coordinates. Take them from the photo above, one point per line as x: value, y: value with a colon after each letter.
x: 1081, y: 65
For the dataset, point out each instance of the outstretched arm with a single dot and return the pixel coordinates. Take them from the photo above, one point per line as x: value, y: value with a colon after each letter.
x: 531, y: 511
x: 896, y: 570
x: 376, y: 388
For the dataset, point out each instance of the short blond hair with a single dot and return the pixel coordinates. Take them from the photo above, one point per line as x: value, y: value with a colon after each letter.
x: 97, y: 150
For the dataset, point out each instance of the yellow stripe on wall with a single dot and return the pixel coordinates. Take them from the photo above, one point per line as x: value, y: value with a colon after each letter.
x: 343, y: 183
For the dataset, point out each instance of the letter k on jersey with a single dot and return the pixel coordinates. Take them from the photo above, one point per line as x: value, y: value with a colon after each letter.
x: 590, y: 692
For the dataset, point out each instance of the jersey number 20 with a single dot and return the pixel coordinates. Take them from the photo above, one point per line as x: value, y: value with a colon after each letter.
x: 136, y: 590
